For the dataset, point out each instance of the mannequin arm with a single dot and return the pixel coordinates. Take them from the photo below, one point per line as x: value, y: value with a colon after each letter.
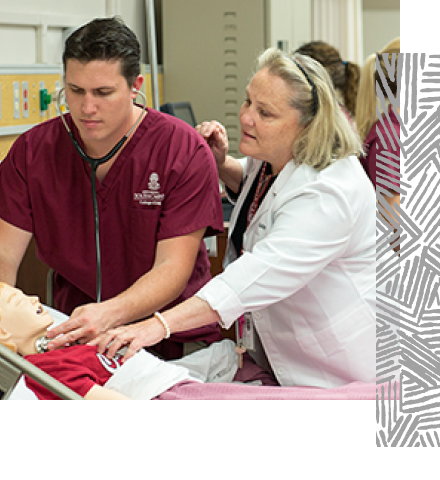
x: 102, y: 393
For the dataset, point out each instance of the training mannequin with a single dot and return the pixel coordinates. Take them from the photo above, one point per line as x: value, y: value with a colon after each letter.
x: 24, y: 323
x: 23, y: 327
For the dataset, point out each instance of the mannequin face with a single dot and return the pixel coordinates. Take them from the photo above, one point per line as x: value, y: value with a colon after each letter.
x: 23, y: 318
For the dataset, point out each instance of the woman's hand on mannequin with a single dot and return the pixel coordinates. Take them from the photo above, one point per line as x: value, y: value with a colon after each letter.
x: 134, y: 336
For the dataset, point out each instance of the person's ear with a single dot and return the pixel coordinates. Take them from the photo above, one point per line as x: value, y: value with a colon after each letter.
x: 5, y: 339
x: 137, y: 84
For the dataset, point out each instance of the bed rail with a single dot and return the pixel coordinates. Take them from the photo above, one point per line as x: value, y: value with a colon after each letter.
x: 12, y: 367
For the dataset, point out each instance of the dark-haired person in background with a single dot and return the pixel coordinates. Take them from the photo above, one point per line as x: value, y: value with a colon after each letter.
x: 344, y: 74
x: 380, y: 134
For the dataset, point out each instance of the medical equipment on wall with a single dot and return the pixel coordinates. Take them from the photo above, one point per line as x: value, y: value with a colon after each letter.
x: 94, y: 164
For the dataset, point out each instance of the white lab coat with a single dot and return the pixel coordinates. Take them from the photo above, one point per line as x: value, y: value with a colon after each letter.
x: 307, y: 274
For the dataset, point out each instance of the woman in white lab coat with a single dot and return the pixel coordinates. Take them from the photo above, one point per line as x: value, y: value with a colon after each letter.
x: 300, y: 262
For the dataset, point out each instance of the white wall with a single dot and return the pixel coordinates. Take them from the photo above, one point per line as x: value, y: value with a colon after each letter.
x: 289, y: 21
x: 53, y: 7
x: 380, y: 26
x: 32, y: 31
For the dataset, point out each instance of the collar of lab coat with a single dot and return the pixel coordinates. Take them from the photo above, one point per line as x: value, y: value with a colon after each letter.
x: 282, y: 178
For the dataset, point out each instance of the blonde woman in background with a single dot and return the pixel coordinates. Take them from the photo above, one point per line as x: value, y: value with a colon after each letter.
x: 373, y: 131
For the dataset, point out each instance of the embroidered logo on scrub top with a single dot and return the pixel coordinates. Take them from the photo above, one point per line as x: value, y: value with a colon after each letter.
x: 152, y: 196
x: 154, y: 184
x: 111, y: 365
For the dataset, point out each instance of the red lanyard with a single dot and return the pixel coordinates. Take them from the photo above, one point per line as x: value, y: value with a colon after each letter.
x: 262, y: 186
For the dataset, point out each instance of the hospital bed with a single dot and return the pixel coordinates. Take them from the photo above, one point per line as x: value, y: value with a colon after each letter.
x: 188, y: 389
x: 196, y: 377
x: 235, y: 391
x: 193, y: 390
x: 12, y: 367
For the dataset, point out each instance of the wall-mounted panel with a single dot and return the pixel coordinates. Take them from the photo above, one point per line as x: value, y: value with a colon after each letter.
x: 209, y: 51
x: 15, y: 119
x: 20, y: 99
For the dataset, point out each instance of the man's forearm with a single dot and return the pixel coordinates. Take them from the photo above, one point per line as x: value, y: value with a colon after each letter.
x: 153, y: 291
x: 7, y: 276
x: 8, y: 268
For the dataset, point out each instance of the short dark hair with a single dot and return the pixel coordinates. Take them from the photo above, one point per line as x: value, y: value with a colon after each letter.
x: 105, y: 39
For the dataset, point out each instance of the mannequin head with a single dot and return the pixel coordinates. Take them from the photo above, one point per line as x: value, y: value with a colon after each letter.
x: 22, y: 320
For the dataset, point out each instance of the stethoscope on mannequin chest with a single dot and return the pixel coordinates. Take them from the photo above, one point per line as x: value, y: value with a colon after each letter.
x: 94, y: 164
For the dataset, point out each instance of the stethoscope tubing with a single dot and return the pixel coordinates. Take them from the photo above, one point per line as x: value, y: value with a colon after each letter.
x: 94, y: 164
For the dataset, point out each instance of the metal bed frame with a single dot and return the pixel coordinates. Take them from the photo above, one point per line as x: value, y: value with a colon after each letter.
x: 12, y: 367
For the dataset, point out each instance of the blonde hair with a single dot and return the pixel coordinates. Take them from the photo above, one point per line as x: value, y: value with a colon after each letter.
x: 367, y: 103
x: 327, y: 134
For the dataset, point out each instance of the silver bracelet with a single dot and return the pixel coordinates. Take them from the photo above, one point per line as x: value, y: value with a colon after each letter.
x: 159, y: 316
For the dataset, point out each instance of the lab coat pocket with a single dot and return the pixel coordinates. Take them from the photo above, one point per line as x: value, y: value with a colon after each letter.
x: 341, y: 356
x: 347, y: 339
x: 366, y: 279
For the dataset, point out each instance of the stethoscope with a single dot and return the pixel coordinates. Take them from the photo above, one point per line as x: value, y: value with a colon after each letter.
x: 94, y: 164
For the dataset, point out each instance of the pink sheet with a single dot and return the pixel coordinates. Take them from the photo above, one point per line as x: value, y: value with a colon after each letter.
x: 235, y: 391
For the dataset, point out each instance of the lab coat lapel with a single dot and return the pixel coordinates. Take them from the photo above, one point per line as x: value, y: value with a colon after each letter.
x: 250, y: 176
x: 278, y: 185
